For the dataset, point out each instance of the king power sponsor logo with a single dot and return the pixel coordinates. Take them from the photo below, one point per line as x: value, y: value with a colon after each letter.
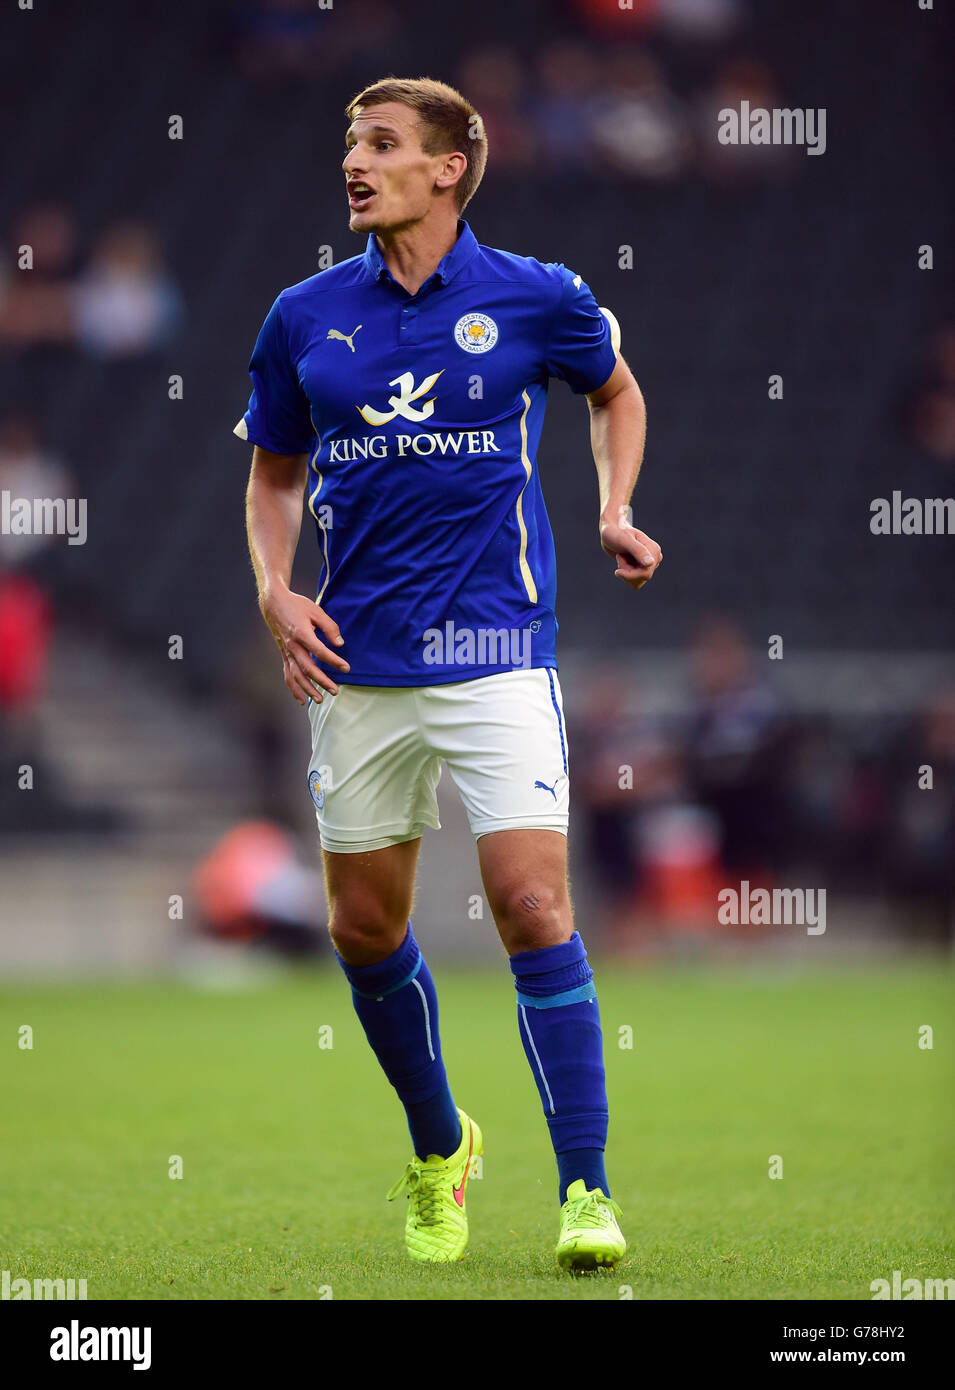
x: 379, y: 446
x: 407, y: 403
x: 403, y: 402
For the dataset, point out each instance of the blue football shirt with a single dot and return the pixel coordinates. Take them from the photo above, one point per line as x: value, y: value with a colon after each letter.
x: 422, y: 416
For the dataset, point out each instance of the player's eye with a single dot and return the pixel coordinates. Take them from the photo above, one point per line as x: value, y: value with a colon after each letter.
x: 386, y: 144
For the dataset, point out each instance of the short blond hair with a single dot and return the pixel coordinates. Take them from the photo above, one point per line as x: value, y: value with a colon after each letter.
x: 451, y: 124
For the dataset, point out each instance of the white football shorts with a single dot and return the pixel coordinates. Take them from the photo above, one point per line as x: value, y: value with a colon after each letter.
x: 377, y: 755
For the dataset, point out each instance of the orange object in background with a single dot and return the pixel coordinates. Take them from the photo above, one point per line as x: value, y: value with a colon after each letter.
x: 252, y: 887
x: 231, y: 880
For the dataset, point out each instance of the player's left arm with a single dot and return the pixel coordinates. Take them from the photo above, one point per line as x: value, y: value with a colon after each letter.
x: 618, y: 429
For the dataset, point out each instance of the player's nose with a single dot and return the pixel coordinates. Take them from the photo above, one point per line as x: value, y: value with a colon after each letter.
x: 351, y: 163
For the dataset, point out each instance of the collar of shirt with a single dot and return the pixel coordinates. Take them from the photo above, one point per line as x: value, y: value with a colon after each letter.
x: 461, y: 252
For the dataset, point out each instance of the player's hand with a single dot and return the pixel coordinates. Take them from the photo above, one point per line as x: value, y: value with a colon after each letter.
x: 292, y: 620
x: 637, y: 554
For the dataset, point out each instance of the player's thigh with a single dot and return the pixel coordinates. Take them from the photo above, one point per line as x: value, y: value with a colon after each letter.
x: 505, y: 745
x: 525, y: 878
x: 372, y: 777
x: 370, y: 896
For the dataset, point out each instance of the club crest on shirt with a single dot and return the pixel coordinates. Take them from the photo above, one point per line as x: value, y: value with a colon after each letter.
x: 316, y: 790
x: 475, y: 333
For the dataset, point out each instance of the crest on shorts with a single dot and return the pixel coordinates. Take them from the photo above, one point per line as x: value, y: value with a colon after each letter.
x: 315, y: 789
x: 475, y: 333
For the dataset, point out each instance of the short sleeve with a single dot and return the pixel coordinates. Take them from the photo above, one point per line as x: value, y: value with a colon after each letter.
x: 580, y: 350
x: 278, y: 415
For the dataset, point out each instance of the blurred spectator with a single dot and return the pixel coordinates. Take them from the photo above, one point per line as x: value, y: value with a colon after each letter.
x: 34, y: 302
x: 27, y: 628
x: 375, y: 40
x: 698, y: 21
x: 27, y: 470
x: 25, y: 635
x: 565, y: 104
x: 734, y: 742
x: 682, y: 871
x: 738, y: 789
x: 653, y: 849
x: 26, y: 616
x: 278, y: 40
x: 607, y: 740
x: 611, y: 20
x: 928, y: 413
x: 25, y: 632
x: 835, y: 804
x: 639, y: 126
x: 493, y: 80
x: 920, y: 849
x: 125, y: 303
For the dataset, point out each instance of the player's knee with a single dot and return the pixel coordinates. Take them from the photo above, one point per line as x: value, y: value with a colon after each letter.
x: 532, y: 915
x: 365, y: 930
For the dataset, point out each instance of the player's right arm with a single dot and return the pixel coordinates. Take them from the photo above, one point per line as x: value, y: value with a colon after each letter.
x: 273, y: 521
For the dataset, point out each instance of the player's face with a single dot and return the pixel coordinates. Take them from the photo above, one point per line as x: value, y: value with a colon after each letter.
x: 389, y: 179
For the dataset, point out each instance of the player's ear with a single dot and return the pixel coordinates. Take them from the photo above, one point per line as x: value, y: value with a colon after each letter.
x: 452, y: 169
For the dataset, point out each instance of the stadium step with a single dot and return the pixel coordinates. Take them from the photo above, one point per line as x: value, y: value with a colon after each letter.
x: 168, y: 767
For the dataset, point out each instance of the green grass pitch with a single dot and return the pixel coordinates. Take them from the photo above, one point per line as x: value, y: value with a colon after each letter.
x: 288, y: 1148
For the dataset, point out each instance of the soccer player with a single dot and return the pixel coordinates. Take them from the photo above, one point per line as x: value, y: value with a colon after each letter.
x: 405, y: 390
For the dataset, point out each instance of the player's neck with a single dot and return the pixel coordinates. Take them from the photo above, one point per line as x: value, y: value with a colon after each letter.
x: 413, y: 253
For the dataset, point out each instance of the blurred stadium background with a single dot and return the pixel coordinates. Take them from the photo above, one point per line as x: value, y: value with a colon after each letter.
x: 155, y: 778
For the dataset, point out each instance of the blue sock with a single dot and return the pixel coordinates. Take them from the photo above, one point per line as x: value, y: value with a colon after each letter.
x: 396, y: 1003
x: 560, y: 1028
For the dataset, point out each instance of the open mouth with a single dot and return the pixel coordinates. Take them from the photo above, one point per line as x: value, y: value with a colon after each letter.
x: 360, y: 195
